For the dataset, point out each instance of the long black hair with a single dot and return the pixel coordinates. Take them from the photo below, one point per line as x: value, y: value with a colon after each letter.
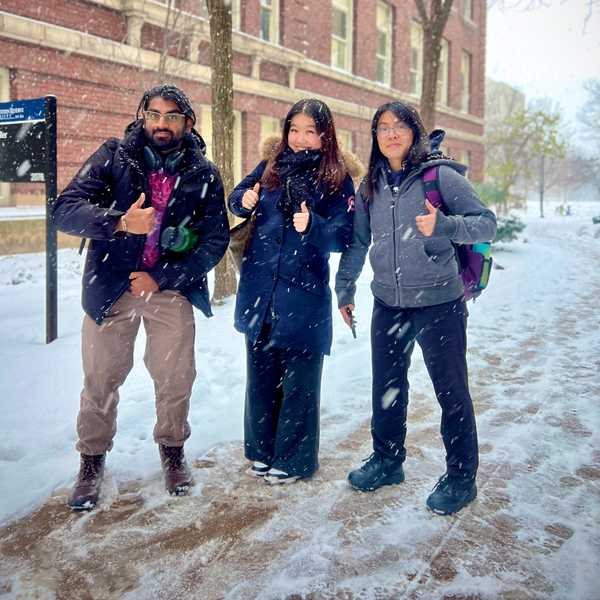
x: 331, y: 169
x: 419, y: 149
x: 167, y: 91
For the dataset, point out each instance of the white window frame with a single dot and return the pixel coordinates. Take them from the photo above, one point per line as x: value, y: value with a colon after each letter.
x: 383, y: 23
x: 416, y: 64
x: 466, y: 159
x: 269, y: 126
x: 347, y: 7
x: 441, y: 91
x: 236, y: 15
x: 468, y: 10
x: 466, y: 66
x: 206, y: 133
x: 271, y: 6
x: 203, y: 12
x: 344, y: 138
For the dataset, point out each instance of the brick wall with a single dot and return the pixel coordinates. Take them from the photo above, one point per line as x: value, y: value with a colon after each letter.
x: 96, y: 99
x: 73, y: 14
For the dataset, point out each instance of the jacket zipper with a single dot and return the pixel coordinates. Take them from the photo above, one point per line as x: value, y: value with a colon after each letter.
x: 394, y: 198
x: 395, y: 193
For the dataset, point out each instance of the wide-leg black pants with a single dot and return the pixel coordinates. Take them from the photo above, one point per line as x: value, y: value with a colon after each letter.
x: 281, y: 420
x: 440, y: 331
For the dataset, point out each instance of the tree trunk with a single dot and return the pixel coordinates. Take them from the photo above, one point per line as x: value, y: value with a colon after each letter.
x: 222, y: 118
x: 433, y: 28
x: 542, y: 185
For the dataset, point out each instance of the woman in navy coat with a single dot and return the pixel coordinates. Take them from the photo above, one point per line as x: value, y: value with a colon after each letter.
x: 302, y: 198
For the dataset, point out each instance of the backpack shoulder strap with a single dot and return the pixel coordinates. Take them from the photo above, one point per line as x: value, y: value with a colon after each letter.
x: 431, y: 183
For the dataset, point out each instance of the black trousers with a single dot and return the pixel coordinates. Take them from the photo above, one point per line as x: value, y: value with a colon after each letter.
x: 281, y: 419
x: 441, y: 333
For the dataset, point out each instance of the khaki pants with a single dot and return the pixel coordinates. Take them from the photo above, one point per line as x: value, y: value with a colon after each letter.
x: 107, y: 351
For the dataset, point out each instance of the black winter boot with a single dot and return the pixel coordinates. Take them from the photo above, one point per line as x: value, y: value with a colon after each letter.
x: 376, y: 471
x: 450, y: 494
x: 178, y: 478
x: 87, y: 487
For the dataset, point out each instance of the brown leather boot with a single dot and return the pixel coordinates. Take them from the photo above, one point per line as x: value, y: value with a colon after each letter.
x: 178, y: 478
x: 87, y: 487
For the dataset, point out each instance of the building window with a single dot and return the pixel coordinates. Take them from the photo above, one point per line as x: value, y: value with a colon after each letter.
x: 341, y: 34
x: 206, y: 132
x: 201, y: 10
x: 465, y: 81
x: 443, y: 69
x: 468, y: 9
x: 416, y: 58
x: 344, y: 138
x: 269, y: 20
x: 465, y: 159
x: 384, y: 43
x: 269, y: 126
x: 236, y: 19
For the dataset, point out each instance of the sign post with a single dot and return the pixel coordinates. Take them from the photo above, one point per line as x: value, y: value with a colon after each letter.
x: 28, y: 154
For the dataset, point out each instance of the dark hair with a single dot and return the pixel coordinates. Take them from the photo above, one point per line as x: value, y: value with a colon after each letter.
x: 167, y: 91
x: 418, y: 151
x: 331, y: 168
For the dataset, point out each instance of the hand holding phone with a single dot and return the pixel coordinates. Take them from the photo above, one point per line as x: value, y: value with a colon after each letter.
x: 347, y: 313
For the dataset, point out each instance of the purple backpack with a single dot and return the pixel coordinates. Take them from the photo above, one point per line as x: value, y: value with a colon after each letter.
x: 474, y: 260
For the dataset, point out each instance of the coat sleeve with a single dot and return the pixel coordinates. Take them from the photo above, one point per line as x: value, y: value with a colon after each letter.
x: 353, y: 257
x: 85, y: 206
x: 468, y: 221
x: 182, y: 271
x: 330, y: 225
x: 235, y: 198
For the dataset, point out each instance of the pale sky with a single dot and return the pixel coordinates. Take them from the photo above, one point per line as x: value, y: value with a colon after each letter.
x: 546, y: 52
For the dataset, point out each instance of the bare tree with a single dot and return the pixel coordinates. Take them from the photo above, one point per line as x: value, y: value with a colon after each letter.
x: 434, y: 23
x: 219, y: 12
x: 590, y: 6
x: 589, y: 115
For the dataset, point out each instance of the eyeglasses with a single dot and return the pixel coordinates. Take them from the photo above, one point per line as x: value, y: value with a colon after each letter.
x: 384, y: 130
x: 170, y: 118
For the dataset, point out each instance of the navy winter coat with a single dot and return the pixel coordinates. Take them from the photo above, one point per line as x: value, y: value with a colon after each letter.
x: 108, y: 184
x: 287, y: 273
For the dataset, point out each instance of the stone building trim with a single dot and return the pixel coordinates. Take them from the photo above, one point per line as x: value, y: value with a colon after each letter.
x: 45, y: 34
x: 155, y: 14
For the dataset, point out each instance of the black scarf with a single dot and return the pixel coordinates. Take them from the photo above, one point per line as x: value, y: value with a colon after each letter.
x: 298, y: 172
x: 393, y: 178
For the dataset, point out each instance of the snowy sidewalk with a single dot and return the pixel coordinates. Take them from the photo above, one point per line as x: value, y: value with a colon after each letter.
x: 534, y: 356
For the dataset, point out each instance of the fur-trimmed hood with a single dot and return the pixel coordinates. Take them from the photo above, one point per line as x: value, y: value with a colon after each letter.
x: 353, y: 164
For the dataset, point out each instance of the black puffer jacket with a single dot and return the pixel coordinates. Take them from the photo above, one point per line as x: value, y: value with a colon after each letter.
x: 108, y: 184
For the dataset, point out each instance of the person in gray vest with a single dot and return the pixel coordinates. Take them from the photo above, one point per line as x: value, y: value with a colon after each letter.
x: 418, y: 296
x: 153, y: 207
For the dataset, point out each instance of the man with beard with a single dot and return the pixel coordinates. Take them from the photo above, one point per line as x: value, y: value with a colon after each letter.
x: 153, y: 207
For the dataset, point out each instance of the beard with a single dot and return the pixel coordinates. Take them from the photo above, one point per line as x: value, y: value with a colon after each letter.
x: 166, y: 143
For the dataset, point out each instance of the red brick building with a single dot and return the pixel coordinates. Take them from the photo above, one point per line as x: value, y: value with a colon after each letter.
x: 97, y: 56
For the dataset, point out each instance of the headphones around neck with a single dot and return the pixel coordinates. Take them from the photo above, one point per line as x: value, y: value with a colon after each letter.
x: 155, y: 161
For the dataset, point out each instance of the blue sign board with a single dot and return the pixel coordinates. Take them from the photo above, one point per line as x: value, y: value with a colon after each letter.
x: 21, y: 111
x: 23, y: 140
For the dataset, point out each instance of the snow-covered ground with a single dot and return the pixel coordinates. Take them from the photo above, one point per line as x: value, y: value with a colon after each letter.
x: 534, y: 356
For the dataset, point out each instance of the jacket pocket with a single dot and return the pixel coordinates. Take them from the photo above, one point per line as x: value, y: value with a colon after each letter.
x: 427, y: 262
x: 381, y: 257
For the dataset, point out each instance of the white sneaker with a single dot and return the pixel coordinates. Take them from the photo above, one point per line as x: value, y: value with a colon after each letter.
x: 277, y: 477
x: 257, y: 469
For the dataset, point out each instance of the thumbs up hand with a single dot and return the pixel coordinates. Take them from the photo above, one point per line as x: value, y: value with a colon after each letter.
x: 137, y: 220
x: 250, y: 197
x: 302, y: 218
x: 426, y: 223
